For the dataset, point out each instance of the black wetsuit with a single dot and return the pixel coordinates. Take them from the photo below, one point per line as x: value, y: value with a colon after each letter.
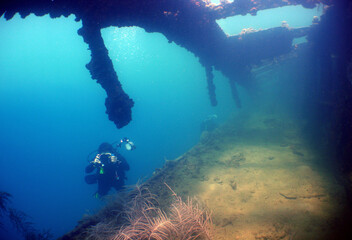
x: 109, y: 174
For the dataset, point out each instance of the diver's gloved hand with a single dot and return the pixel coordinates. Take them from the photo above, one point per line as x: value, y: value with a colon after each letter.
x: 113, y: 159
x: 96, y: 159
x: 97, y: 165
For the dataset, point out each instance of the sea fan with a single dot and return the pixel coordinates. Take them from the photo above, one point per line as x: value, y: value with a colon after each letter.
x: 4, y: 200
x: 102, y: 231
x: 141, y: 200
x: 145, y: 221
x: 190, y: 221
x: 20, y: 220
x: 153, y: 224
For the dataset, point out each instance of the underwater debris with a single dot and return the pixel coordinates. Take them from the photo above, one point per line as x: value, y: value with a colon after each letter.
x: 233, y: 184
x: 277, y: 231
x: 295, y: 150
x: 218, y: 180
x: 235, y: 160
x: 292, y: 197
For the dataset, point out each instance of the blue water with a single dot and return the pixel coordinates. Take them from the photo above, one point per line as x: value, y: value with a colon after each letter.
x: 53, y: 113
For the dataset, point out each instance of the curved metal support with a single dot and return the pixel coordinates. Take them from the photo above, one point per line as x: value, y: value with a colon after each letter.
x: 118, y: 104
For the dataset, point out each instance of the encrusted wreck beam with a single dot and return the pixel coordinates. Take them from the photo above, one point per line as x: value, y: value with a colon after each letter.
x: 189, y: 23
x: 242, y: 7
x: 211, y: 85
x: 118, y: 104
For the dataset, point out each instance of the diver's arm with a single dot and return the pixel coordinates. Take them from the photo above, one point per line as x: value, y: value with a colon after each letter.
x: 90, y: 168
x: 93, y: 164
x: 122, y: 162
x: 126, y: 166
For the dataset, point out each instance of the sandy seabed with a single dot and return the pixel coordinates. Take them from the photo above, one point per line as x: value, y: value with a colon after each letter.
x: 260, y: 180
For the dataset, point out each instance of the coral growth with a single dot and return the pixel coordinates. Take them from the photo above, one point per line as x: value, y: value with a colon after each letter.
x: 20, y: 220
x: 144, y: 220
x: 4, y: 200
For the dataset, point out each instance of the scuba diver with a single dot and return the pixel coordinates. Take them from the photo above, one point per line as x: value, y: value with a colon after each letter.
x: 110, y: 168
x: 210, y: 123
